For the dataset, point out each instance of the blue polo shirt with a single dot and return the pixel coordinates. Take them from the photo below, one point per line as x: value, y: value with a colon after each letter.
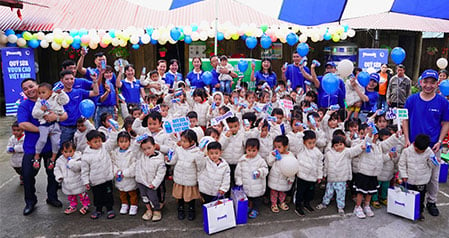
x: 111, y: 100
x: 24, y: 115
x: 371, y: 105
x: 195, y: 79
x: 269, y: 78
x: 97, y: 71
x: 170, y: 78
x: 295, y: 76
x: 82, y: 83
x: 131, y: 91
x: 425, y: 117
x: 215, y: 80
x: 73, y: 107
x: 336, y: 98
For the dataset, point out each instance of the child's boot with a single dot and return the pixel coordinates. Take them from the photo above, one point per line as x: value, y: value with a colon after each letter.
x: 181, y: 213
x: 191, y: 213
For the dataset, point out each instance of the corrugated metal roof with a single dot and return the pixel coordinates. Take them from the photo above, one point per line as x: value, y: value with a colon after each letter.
x: 120, y: 14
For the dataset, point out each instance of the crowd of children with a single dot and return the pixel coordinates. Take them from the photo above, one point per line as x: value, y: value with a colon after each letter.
x: 218, y: 152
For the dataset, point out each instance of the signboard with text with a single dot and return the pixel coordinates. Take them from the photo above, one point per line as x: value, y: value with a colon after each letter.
x: 372, y: 58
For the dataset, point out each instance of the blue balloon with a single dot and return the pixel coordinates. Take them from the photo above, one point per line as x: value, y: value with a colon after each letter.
x: 327, y: 36
x: 265, y: 42
x: 112, y: 33
x: 330, y: 83
x: 292, y: 39
x: 149, y: 30
x: 74, y: 33
x: 87, y: 108
x: 9, y: 32
x: 242, y: 65
x: 76, y: 46
x: 136, y: 46
x: 302, y: 49
x: 444, y: 87
x: 153, y: 41
x: 346, y: 28
x: 33, y: 43
x: 207, y: 77
x: 220, y: 36
x: 187, y: 39
x: 398, y: 55
x: 363, y: 78
x: 76, y: 40
x: 194, y: 27
x: 175, y: 33
x: 251, y: 42
x: 243, y: 37
x: 82, y: 32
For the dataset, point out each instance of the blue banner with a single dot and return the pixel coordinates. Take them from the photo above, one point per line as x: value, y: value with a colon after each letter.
x: 17, y: 64
x: 372, y: 58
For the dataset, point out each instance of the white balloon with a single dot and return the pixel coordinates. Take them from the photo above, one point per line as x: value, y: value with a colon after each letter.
x: 172, y: 41
x: 345, y: 67
x: 122, y: 43
x: 442, y: 63
x: 187, y: 30
x: 44, y: 44
x: 12, y: 38
x: 49, y: 37
x: 211, y: 33
x: 57, y: 31
x: 3, y: 39
x: 315, y: 37
x: 203, y: 37
x: 115, y: 42
x: 146, y: 39
x: 156, y: 34
x: 258, y: 32
x: 93, y: 45
x: 21, y: 42
x: 162, y: 42
x: 371, y: 70
x: 343, y: 36
x: 55, y: 46
x: 195, y: 36
x: 288, y: 166
x: 351, y: 33
x: 65, y: 45
x: 134, y: 39
x: 40, y: 35
x: 302, y: 38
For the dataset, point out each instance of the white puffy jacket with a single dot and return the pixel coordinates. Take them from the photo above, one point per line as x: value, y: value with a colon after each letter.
x: 68, y: 172
x: 17, y: 155
x: 233, y: 146
x: 150, y: 170
x: 56, y: 104
x: 186, y: 165
x: 337, y: 165
x: 351, y: 95
x: 310, y: 164
x: 276, y: 180
x: 176, y: 109
x: 295, y: 141
x: 80, y: 137
x: 244, y: 175
x: 388, y: 168
x: 371, y: 163
x: 417, y: 168
x: 164, y: 140
x: 213, y: 178
x: 200, y: 109
x: 96, y: 164
x: 126, y: 162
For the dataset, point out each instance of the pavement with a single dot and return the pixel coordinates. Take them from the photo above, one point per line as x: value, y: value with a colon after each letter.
x: 47, y: 221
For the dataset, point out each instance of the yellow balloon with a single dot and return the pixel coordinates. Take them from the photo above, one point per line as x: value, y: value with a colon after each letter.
x: 55, y: 46
x: 235, y: 36
x: 27, y: 35
x: 336, y: 38
x: 249, y: 33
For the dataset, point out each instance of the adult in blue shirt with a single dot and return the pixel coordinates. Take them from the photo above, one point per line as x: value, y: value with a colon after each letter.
x: 30, y: 126
x: 265, y: 73
x: 324, y: 99
x: 68, y: 127
x: 428, y: 113
x: 194, y: 76
x: 172, y: 75
x: 297, y: 73
x: 107, y: 99
x: 130, y: 87
x: 79, y: 82
x: 214, y: 63
x: 370, y: 98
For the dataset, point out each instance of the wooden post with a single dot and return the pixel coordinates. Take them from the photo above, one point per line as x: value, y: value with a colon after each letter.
x: 417, y: 59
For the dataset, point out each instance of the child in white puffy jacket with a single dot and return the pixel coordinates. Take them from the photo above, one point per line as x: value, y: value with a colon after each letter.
x: 278, y: 182
x: 186, y: 158
x: 82, y: 127
x: 68, y: 173
x: 198, y: 102
x: 15, y: 149
x: 310, y: 171
x: 214, y: 174
x: 415, y: 167
x: 150, y: 173
x: 124, y: 162
x: 250, y: 173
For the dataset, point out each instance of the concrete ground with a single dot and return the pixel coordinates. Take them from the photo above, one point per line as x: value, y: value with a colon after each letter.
x: 48, y: 221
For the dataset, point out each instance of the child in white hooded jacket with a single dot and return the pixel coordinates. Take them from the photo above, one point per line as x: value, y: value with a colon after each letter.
x: 250, y: 173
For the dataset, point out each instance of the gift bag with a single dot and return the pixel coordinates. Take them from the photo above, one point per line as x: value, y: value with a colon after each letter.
x: 218, y: 216
x: 240, y: 200
x: 404, y: 203
x: 443, y: 172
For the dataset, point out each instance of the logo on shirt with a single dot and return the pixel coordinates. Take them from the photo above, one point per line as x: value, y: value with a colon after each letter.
x: 434, y: 110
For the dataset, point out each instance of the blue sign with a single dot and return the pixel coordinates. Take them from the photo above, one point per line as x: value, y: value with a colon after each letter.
x: 372, y: 58
x: 17, y: 65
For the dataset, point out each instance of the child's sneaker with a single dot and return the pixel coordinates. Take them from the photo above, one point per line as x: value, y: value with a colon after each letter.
x: 368, y: 211
x: 321, y: 206
x: 124, y: 209
x: 358, y: 211
x: 341, y: 212
x: 133, y: 210
x: 253, y: 214
x: 70, y: 210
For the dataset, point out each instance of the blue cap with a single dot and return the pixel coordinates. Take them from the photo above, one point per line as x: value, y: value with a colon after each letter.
x: 375, y: 77
x: 429, y: 73
x: 330, y: 63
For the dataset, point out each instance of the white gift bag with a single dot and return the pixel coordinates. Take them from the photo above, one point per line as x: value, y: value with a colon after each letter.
x: 218, y: 215
x: 404, y: 203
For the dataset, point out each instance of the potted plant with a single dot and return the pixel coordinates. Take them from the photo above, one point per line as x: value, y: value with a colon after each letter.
x: 162, y: 52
